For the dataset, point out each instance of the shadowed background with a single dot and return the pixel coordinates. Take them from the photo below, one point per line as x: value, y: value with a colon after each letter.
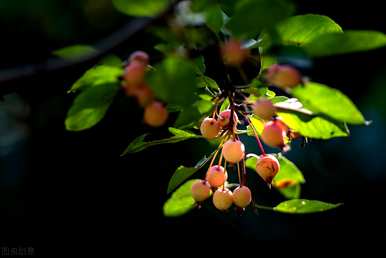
x: 55, y: 183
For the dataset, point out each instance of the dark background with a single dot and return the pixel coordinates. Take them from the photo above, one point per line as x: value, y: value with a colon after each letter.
x: 62, y: 189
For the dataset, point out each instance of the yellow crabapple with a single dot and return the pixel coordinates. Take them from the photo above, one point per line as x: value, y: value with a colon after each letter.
x: 233, y: 151
x: 233, y: 52
x: 242, y: 196
x: 274, y: 134
x: 264, y: 109
x: 222, y: 199
x: 201, y: 191
x: 210, y: 128
x: 283, y: 76
x: 225, y: 116
x: 216, y: 176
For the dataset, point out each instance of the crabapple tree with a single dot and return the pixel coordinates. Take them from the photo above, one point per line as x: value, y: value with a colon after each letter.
x: 215, y: 74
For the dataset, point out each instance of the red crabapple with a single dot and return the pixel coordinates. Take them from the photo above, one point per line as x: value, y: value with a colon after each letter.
x: 225, y: 117
x: 139, y: 56
x: 134, y: 74
x: 267, y: 167
x: 283, y: 76
x: 155, y: 114
x: 274, y: 134
x: 201, y: 191
x: 233, y: 52
x: 233, y: 151
x: 242, y: 196
x: 210, y: 128
x: 216, y: 176
x: 264, y: 109
x: 222, y: 199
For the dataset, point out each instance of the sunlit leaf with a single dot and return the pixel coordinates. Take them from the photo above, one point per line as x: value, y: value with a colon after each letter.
x: 75, y: 51
x: 291, y: 192
x: 214, y: 18
x: 300, y: 206
x: 142, y: 7
x: 181, y: 201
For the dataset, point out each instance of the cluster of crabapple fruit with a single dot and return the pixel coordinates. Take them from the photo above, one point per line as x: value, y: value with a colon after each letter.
x: 134, y: 85
x: 275, y: 134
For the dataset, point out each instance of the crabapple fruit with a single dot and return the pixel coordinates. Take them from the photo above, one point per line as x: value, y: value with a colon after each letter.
x: 210, y: 128
x: 233, y: 52
x: 225, y: 117
x: 201, y: 191
x: 144, y: 95
x: 274, y: 134
x: 155, y: 114
x: 216, y: 176
x: 283, y: 76
x: 267, y: 167
x: 139, y: 56
x: 264, y: 109
x: 233, y: 151
x: 134, y: 74
x: 222, y: 199
x: 242, y: 196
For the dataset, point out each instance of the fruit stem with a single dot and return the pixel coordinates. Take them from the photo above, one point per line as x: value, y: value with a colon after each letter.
x: 256, y: 136
x: 258, y: 206
x: 239, y: 174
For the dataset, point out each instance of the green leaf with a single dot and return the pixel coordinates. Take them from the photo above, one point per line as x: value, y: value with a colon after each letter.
x: 257, y: 123
x: 205, y: 81
x: 291, y: 192
x: 301, y: 206
x: 347, y: 42
x: 316, y: 127
x: 181, y: 201
x: 288, y: 170
x: 139, y: 143
x: 90, y: 106
x: 214, y: 18
x: 302, y: 29
x: 99, y: 75
x: 142, y: 7
x: 192, y: 114
x: 320, y: 98
x: 182, y: 173
x: 252, y: 16
x: 112, y: 60
x: 75, y: 52
x: 174, y: 81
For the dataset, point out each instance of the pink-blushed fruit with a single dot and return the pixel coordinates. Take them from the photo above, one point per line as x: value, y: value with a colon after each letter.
x: 233, y: 52
x: 139, y: 56
x: 233, y: 151
x: 242, y: 196
x: 264, y: 109
x: 210, y: 128
x: 155, y: 114
x: 267, y: 167
x: 274, y: 134
x: 201, y: 191
x: 222, y: 199
x: 283, y: 76
x: 216, y: 176
x: 225, y: 117
x: 144, y: 95
x: 134, y: 74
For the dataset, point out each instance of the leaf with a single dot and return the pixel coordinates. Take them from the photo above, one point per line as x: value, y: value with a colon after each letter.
x: 101, y: 74
x: 181, y: 201
x: 142, y: 7
x: 301, y: 206
x: 192, y: 114
x: 90, y: 106
x: 320, y: 98
x: 174, y: 81
x: 347, y: 42
x: 214, y: 18
x: 302, y: 29
x: 139, y: 143
x: 316, y: 127
x: 291, y: 192
x: 182, y: 173
x: 288, y: 170
x: 205, y: 81
x: 75, y: 51
x: 252, y: 16
x: 257, y: 123
x: 291, y: 104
